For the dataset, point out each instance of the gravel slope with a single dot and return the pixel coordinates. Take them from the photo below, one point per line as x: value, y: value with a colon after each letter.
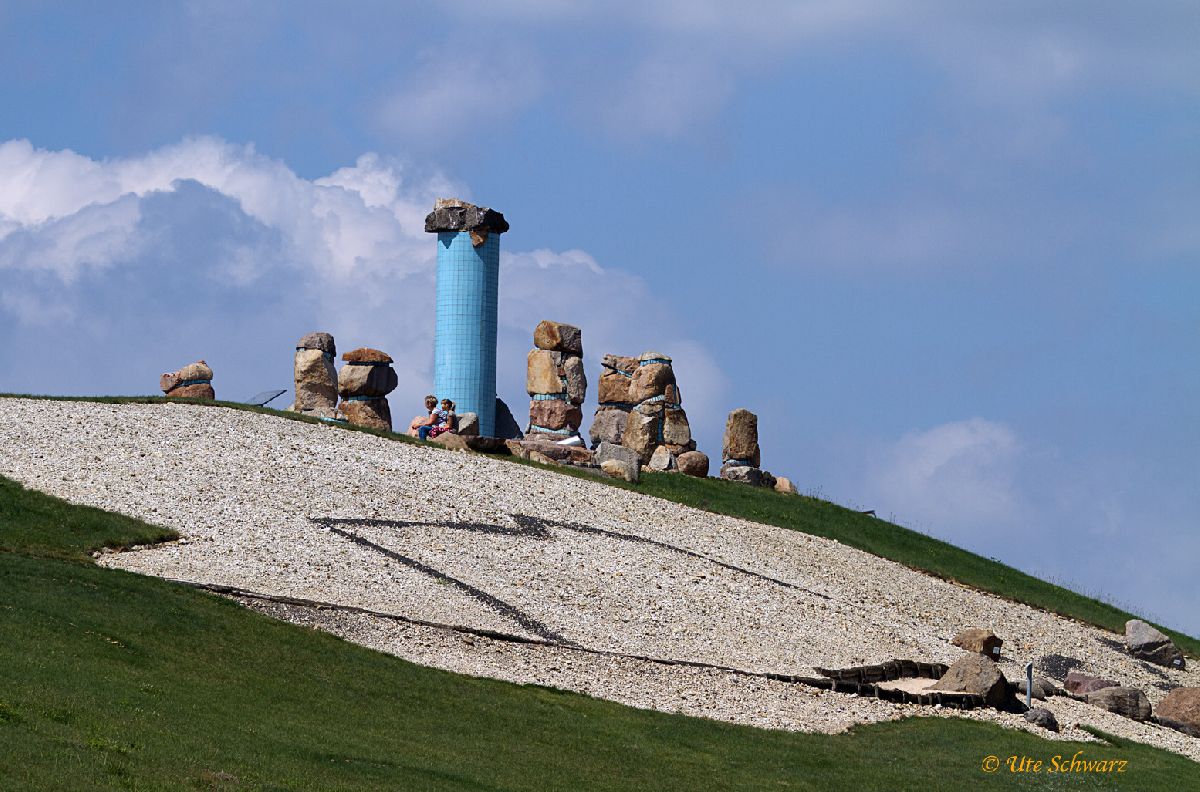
x: 286, y: 508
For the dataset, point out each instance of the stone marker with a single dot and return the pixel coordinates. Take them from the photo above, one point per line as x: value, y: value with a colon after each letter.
x: 555, y: 382
x: 316, y: 380
x: 193, y: 381
x: 364, y: 383
x: 740, y: 453
x: 1126, y: 701
x: 975, y: 639
x: 1180, y: 710
x: 977, y: 675
x: 1147, y: 643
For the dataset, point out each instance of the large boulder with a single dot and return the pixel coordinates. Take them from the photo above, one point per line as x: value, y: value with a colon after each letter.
x: 541, y: 373
x: 693, y: 463
x: 554, y: 414
x: 1181, y: 710
x: 608, y: 426
x: 613, y: 388
x: 606, y: 451
x: 742, y: 474
x: 1126, y: 701
x: 650, y: 381
x: 193, y: 381
x: 322, y: 342
x: 1081, y: 684
x: 366, y: 379
x: 676, y: 430
x: 315, y: 382
x: 785, y: 485
x: 1147, y: 643
x: 641, y: 435
x: 558, y: 337
x: 978, y: 640
x: 615, y: 468
x: 741, y: 438
x: 371, y: 413
x: 662, y: 460
x: 576, y: 379
x: 978, y: 676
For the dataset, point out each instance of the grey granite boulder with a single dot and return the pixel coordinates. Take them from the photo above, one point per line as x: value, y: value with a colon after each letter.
x: 1146, y: 643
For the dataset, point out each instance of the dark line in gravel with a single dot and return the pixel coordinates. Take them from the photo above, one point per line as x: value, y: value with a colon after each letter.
x: 495, y: 603
x: 862, y: 689
x: 538, y: 528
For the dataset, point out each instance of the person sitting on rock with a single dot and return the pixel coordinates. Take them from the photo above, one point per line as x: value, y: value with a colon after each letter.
x: 420, y: 421
x: 449, y: 420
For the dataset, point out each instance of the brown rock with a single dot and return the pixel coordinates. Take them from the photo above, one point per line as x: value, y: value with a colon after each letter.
x: 554, y: 414
x: 541, y: 373
x: 1181, y: 707
x: 979, y: 640
x: 1081, y: 684
x: 785, y: 486
x: 693, y: 463
x: 613, y: 388
x: 661, y: 460
x: 978, y: 676
x: 558, y: 337
x: 366, y: 380
x: 673, y: 395
x: 366, y: 355
x: 572, y: 367
x: 452, y: 440
x: 1127, y: 701
x: 676, y: 430
x: 620, y: 469
x: 608, y: 426
x: 319, y: 341
x: 641, y: 435
x: 315, y: 383
x: 741, y: 437
x: 192, y: 371
x: 372, y: 413
x: 645, y: 356
x: 558, y: 454
x: 619, y: 363
x: 202, y: 391
x: 650, y: 381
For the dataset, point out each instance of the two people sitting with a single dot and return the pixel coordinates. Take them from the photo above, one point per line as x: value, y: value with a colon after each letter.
x: 439, y: 420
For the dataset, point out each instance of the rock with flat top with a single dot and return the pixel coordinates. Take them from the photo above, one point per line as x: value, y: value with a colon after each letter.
x: 367, y: 355
x: 978, y: 676
x: 1129, y: 702
x: 541, y: 373
x: 322, y: 342
x: 452, y: 214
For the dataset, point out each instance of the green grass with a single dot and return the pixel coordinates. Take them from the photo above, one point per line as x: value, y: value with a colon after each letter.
x: 821, y: 518
x: 110, y: 680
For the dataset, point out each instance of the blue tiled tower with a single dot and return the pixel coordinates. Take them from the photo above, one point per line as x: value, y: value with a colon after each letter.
x: 468, y: 279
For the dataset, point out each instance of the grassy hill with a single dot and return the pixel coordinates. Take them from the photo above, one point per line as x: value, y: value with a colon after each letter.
x: 118, y: 681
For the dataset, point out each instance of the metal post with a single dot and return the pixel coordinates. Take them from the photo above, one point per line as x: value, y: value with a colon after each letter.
x: 1029, y: 684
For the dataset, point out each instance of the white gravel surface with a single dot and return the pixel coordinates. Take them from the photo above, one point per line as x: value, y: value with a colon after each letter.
x: 627, y: 573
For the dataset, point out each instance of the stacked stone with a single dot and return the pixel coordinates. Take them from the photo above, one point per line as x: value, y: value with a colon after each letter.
x: 193, y: 381
x: 555, y: 382
x: 740, y: 454
x: 608, y: 425
x: 656, y: 428
x: 364, y: 383
x: 316, y: 380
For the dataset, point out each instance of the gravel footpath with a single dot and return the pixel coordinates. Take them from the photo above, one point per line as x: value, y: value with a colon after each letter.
x: 315, y: 512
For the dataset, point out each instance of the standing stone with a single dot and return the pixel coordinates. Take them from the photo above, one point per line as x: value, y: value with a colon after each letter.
x: 556, y: 383
x: 641, y: 435
x: 193, y: 381
x: 741, y: 438
x: 364, y: 383
x: 676, y: 430
x: 316, y: 380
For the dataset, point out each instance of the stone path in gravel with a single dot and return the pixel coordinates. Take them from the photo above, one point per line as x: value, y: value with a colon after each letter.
x: 314, y: 512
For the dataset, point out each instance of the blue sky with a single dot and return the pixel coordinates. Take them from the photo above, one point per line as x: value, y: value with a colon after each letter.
x: 949, y: 252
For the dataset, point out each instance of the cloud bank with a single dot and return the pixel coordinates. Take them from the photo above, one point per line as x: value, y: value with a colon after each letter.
x: 113, y: 271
